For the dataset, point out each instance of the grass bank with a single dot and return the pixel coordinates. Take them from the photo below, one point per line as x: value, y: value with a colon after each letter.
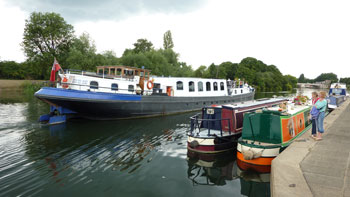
x: 8, y: 83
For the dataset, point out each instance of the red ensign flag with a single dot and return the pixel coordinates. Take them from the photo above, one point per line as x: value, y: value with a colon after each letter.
x: 55, y: 68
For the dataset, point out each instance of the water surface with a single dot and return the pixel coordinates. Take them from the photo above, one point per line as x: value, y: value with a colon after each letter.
x: 142, y: 157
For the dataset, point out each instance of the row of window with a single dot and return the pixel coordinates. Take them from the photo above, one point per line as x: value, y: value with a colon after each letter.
x: 114, y: 86
x: 191, y: 86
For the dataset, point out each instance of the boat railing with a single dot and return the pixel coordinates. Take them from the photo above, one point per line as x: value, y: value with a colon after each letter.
x: 93, y: 88
x: 196, y: 123
x: 93, y: 74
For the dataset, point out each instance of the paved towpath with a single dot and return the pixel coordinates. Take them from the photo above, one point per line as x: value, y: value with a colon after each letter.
x: 322, y: 168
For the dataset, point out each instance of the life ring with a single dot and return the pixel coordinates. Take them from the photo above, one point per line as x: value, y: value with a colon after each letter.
x: 64, y: 84
x: 150, y: 84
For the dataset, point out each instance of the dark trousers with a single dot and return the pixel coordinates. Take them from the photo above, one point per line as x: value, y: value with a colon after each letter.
x: 314, y: 126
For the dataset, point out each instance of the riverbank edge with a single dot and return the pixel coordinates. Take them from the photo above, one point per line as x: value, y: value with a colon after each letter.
x: 13, y: 83
x: 287, y: 178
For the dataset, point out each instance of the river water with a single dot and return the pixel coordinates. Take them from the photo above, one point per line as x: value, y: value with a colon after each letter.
x: 143, y: 157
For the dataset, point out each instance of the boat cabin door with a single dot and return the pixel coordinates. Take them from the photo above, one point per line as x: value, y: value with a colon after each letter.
x: 169, y: 91
x: 228, y: 120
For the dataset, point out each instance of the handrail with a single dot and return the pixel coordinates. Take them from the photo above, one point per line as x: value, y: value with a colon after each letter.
x: 195, y: 123
x: 109, y: 88
x: 93, y: 74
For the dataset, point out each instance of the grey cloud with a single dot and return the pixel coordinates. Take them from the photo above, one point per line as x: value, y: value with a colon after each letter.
x: 80, y: 10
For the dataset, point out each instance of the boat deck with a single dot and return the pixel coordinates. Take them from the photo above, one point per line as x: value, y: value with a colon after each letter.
x: 203, y: 133
x: 291, y: 109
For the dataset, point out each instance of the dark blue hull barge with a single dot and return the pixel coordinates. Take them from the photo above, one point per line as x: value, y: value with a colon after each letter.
x: 105, y: 106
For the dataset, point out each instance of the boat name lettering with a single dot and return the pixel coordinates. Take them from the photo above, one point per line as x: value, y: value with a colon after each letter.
x: 79, y: 81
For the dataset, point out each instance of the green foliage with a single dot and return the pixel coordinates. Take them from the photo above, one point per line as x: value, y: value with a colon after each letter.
x: 142, y: 46
x: 162, y: 62
x: 168, y: 40
x: 12, y: 70
x: 303, y: 79
x: 46, y: 35
x: 346, y: 81
x: 30, y: 88
x: 82, y: 54
x: 200, y: 72
x: 327, y: 76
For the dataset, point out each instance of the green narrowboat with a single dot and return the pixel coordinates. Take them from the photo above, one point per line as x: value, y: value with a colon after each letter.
x: 268, y: 132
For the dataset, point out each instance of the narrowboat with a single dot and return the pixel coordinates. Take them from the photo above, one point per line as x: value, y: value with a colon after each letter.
x: 217, y: 128
x: 266, y: 133
x: 337, y: 95
x: 118, y: 92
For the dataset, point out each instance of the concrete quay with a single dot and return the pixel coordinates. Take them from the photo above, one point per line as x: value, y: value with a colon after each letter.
x: 316, y: 168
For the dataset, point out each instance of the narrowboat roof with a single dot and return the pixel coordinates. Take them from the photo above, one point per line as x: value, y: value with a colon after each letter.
x: 248, y: 104
x: 338, y: 85
x: 290, y: 111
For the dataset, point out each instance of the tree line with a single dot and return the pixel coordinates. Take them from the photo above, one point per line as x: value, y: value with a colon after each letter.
x: 324, y: 76
x: 47, y: 36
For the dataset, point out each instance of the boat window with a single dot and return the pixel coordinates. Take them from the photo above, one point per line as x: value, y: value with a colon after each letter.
x: 142, y: 74
x: 207, y: 86
x: 200, y: 86
x: 131, y: 88
x: 241, y: 91
x: 215, y: 86
x: 112, y: 71
x: 222, y: 86
x: 191, y: 86
x: 119, y: 71
x: 105, y: 71
x: 128, y: 72
x: 93, y: 85
x: 114, y: 86
x: 235, y: 91
x: 179, y: 85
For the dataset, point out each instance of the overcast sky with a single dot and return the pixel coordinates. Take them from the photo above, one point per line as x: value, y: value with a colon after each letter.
x: 299, y: 36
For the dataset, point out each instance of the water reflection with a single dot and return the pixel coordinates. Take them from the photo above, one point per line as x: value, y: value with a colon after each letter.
x: 211, y: 169
x: 38, y: 159
x: 254, y: 183
x: 220, y: 169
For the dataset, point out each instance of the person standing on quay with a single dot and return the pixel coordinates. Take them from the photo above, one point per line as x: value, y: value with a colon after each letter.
x: 321, y: 105
x: 314, y: 114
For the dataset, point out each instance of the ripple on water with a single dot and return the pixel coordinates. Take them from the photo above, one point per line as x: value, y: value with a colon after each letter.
x: 12, y: 114
x: 36, y: 161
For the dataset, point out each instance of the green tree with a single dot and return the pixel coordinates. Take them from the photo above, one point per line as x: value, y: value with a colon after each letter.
x: 46, y: 35
x: 345, y: 80
x: 212, y: 71
x: 110, y: 58
x: 200, y: 72
x: 82, y: 54
x: 327, y: 76
x: 301, y: 79
x: 13, y: 70
x: 228, y: 69
x: 168, y: 40
x: 142, y: 46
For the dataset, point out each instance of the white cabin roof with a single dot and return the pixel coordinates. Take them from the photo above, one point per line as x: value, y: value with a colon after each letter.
x: 338, y: 85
